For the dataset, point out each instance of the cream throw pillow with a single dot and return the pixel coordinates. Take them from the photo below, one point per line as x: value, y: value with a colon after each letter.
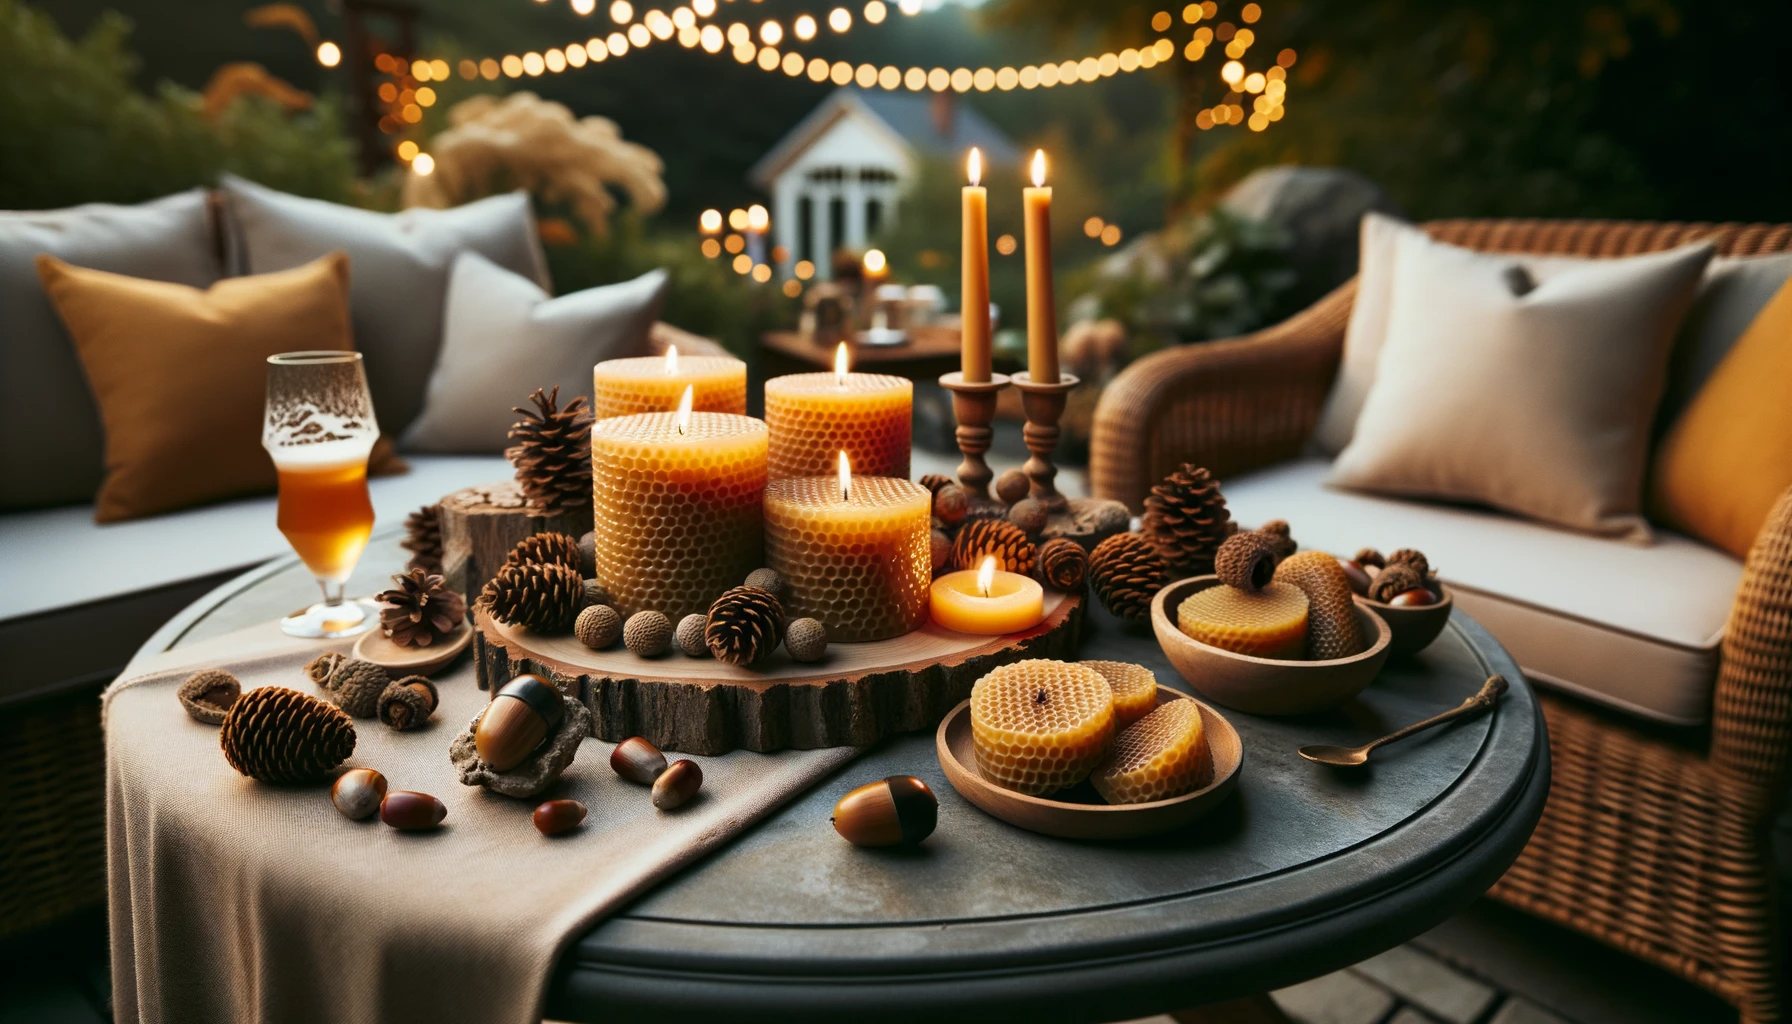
x: 1532, y: 393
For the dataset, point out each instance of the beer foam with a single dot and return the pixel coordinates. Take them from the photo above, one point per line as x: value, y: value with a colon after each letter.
x: 323, y: 454
x: 313, y: 439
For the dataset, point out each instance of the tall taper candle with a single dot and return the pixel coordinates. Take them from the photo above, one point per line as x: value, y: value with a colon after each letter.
x: 1042, y: 310
x: 974, y: 292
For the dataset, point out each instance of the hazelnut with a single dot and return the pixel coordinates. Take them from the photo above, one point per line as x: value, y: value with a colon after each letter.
x: 357, y: 793
x: 1012, y: 486
x: 897, y: 811
x: 951, y: 504
x: 557, y: 816
x: 1028, y: 514
x: 939, y: 548
x: 677, y: 784
x: 637, y: 760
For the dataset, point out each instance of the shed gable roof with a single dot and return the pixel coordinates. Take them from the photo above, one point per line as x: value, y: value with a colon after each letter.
x: 908, y: 117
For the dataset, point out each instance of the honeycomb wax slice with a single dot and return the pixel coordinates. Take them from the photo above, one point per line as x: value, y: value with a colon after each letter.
x: 1332, y: 627
x: 1162, y: 755
x: 1271, y: 623
x: 1135, y: 689
x: 1039, y: 726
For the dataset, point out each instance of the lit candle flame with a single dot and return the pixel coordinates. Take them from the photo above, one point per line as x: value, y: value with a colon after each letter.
x: 975, y: 166
x: 1039, y: 168
x: 840, y: 365
x: 986, y: 576
x: 684, y: 409
x: 845, y: 478
x: 671, y: 360
x: 875, y: 262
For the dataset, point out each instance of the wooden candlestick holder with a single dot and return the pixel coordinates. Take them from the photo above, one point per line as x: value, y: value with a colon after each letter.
x: 974, y: 407
x: 1044, y: 405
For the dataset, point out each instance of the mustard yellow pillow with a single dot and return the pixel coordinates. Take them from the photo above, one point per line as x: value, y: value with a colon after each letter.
x: 180, y: 374
x: 1728, y: 457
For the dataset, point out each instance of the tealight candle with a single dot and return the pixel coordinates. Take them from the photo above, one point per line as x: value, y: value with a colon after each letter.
x: 853, y: 551
x: 811, y: 416
x: 623, y: 387
x: 677, y: 505
x: 987, y: 601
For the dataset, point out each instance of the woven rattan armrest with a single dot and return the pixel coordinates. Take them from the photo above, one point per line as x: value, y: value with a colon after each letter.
x: 1751, y: 728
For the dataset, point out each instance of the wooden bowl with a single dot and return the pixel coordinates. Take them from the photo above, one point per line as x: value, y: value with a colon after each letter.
x: 376, y: 647
x: 1414, y: 626
x: 1264, y: 686
x: 1072, y: 820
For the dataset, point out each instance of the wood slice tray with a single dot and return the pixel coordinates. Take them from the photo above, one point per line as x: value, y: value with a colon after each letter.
x: 857, y: 695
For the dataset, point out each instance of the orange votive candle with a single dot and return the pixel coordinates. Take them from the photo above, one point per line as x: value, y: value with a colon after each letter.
x: 623, y: 387
x: 987, y: 601
x: 855, y: 561
x: 814, y: 416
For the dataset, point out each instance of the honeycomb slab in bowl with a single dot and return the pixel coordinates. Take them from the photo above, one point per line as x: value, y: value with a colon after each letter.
x: 624, y: 387
x: 1271, y: 623
x: 859, y: 565
x: 1039, y: 726
x: 1162, y: 755
x: 1134, y: 686
x: 678, y: 516
x: 815, y: 416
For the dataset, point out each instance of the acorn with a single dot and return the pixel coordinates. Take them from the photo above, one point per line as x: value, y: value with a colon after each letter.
x: 1012, y: 486
x: 897, y: 811
x: 1356, y: 576
x: 637, y: 760
x: 357, y: 793
x: 557, y: 816
x: 409, y: 811
x: 677, y: 784
x: 1415, y: 598
x: 407, y: 703
x: 523, y: 713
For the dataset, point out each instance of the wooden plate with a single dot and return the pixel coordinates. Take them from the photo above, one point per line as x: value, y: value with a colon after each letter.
x: 374, y: 646
x: 1071, y: 820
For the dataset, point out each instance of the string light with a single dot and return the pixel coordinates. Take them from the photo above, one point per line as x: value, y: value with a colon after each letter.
x: 329, y: 54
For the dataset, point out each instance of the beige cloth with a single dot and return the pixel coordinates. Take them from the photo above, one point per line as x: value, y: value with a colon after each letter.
x: 235, y: 901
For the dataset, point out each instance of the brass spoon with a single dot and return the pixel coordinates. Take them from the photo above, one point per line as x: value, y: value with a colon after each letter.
x: 1349, y: 757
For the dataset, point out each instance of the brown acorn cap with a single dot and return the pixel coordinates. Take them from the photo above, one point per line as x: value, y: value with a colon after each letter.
x: 1414, y: 558
x: 1247, y: 561
x: 208, y: 694
x: 407, y: 703
x: 1369, y: 556
x: 349, y: 683
x: 1394, y: 580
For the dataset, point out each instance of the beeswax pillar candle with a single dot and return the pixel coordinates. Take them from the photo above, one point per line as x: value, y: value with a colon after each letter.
x: 814, y: 416
x: 856, y: 559
x: 678, y: 511
x: 1042, y: 310
x: 973, y: 300
x: 623, y: 387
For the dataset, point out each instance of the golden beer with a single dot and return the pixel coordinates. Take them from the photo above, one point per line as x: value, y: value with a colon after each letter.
x: 325, y: 513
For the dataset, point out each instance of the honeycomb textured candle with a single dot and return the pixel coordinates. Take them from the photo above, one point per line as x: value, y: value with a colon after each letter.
x: 861, y: 565
x: 1162, y: 755
x: 812, y: 418
x: 1135, y: 689
x: 1039, y: 726
x: 623, y: 387
x: 678, y: 516
x: 1271, y: 623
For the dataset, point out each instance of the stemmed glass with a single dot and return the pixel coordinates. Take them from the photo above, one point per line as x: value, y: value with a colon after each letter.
x: 319, y: 429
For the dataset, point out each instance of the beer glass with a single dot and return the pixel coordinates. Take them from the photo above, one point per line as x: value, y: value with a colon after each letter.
x: 319, y: 429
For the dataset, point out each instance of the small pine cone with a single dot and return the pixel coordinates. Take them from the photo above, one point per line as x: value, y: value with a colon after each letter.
x: 1412, y: 557
x: 1029, y: 515
x: 999, y: 537
x: 279, y: 735
x: 951, y: 504
x: 423, y: 538
x: 408, y: 702
x: 420, y: 609
x: 1247, y: 561
x: 690, y: 634
x: 542, y: 598
x: 1012, y: 486
x: 767, y: 579
x: 647, y: 634
x: 1063, y: 564
x: 208, y: 694
x: 806, y: 640
x: 1278, y: 531
x: 1393, y: 581
x: 1186, y: 519
x: 745, y: 625
x: 552, y: 455
x: 1126, y: 572
x: 1370, y: 557
x: 598, y: 626
x: 546, y: 548
x: 934, y: 481
x: 350, y: 683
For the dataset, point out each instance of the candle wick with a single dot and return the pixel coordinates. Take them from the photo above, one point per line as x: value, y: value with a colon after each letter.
x: 1042, y: 697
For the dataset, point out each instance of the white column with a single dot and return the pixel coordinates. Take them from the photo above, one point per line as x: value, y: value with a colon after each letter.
x: 784, y: 223
x: 855, y: 210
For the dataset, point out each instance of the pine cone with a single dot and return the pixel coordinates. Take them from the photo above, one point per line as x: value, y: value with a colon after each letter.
x: 1127, y: 571
x: 552, y: 455
x: 1246, y: 561
x: 1186, y: 519
x: 543, y: 548
x: 998, y: 537
x: 1064, y: 565
x: 420, y: 609
x: 279, y: 735
x: 350, y: 683
x: 423, y: 538
x: 543, y: 598
x: 745, y: 625
x: 934, y: 481
x: 1393, y: 581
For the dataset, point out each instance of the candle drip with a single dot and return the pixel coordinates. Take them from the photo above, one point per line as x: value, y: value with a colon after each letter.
x: 671, y: 360
x: 840, y: 366
x: 684, y: 409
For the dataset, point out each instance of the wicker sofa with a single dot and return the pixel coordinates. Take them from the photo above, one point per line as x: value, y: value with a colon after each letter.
x: 1655, y: 839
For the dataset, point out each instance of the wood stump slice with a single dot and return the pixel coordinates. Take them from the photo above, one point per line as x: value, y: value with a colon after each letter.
x: 480, y: 525
x: 1088, y: 522
x: 857, y: 695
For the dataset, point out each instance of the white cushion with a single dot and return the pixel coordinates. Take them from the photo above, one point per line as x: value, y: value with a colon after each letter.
x: 1634, y: 627
x: 56, y: 558
x: 503, y: 337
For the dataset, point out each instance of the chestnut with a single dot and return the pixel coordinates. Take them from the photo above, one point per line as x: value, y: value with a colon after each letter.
x: 517, y: 720
x: 1356, y: 576
x: 557, y: 816
x: 1413, y: 598
x: 357, y: 792
x: 677, y: 784
x: 637, y: 760
x: 896, y: 811
x: 409, y: 811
